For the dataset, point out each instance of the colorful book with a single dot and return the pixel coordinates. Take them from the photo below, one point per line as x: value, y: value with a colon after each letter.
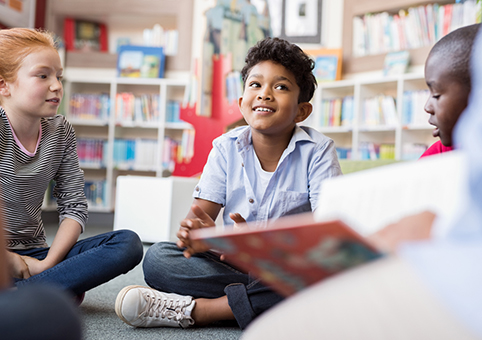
x: 85, y: 36
x: 294, y: 252
x: 141, y: 61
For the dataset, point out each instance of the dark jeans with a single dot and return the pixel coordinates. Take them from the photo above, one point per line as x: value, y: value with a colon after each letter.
x: 90, y: 263
x: 41, y: 313
x: 205, y: 276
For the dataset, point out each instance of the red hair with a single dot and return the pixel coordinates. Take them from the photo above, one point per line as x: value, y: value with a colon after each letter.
x: 16, y: 44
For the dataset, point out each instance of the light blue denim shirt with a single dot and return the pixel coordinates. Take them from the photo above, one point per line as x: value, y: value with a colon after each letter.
x: 229, y: 176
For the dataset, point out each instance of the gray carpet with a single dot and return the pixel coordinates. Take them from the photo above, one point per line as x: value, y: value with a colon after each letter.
x: 101, y: 322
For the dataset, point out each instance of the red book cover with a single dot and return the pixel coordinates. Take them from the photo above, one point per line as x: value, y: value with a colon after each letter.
x: 293, y: 252
x: 85, y: 36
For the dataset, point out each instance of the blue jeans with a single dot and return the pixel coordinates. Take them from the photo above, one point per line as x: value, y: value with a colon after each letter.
x: 206, y: 276
x: 90, y: 263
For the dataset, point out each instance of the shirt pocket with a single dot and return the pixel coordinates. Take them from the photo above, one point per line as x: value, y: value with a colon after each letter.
x: 293, y: 202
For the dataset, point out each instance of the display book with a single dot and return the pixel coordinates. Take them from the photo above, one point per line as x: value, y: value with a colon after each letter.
x: 294, y: 252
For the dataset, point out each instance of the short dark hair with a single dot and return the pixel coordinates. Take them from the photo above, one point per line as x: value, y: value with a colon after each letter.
x: 288, y: 55
x: 456, y: 49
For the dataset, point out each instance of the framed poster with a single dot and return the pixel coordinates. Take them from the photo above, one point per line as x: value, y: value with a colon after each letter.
x: 17, y: 13
x: 301, y: 21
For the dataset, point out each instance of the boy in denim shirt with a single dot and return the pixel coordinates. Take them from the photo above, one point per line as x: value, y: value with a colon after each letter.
x: 268, y: 169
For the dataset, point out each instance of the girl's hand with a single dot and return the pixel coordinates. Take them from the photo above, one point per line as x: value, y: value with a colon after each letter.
x: 35, y: 266
x: 18, y: 267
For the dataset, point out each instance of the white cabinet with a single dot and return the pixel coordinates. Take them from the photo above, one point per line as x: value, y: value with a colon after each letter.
x: 121, y: 143
x: 153, y: 207
x: 347, y: 112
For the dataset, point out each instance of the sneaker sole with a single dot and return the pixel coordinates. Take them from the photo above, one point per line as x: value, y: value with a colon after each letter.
x: 119, y: 300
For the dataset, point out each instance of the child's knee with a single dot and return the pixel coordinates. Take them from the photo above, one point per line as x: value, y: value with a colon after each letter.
x: 159, y: 257
x: 132, y: 247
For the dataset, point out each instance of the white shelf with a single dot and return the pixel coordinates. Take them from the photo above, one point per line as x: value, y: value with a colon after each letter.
x: 352, y: 136
x: 111, y: 129
x: 144, y: 125
x: 88, y: 122
x: 178, y: 126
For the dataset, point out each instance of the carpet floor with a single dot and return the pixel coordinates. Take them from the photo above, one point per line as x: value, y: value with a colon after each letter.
x: 101, y: 323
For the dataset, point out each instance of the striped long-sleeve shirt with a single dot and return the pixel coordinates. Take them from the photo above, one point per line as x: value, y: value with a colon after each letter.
x: 24, y: 179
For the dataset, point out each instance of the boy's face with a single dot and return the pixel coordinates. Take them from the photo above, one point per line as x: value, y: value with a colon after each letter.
x: 270, y: 100
x: 447, y: 100
x: 37, y: 90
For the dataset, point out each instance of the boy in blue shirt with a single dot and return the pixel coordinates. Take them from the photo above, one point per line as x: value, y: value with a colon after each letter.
x: 268, y: 169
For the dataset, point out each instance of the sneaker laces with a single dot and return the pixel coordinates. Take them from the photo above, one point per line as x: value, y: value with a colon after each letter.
x: 172, y: 309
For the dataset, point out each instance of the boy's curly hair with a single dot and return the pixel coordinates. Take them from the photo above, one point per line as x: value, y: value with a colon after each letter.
x: 290, y: 56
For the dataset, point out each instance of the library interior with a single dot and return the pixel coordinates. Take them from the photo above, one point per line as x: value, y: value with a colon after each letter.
x: 154, y: 91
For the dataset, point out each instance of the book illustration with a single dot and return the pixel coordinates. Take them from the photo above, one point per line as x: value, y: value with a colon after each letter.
x: 130, y: 63
x: 150, y: 66
x: 325, y: 68
x: 291, y: 255
x: 140, y: 62
x: 327, y: 64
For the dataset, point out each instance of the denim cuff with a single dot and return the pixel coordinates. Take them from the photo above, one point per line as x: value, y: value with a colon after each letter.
x: 239, y: 302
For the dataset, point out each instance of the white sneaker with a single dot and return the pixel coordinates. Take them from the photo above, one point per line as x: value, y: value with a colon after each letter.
x: 140, y: 306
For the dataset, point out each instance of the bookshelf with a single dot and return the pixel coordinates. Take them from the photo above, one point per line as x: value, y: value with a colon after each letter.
x: 117, y: 145
x: 124, y: 18
x: 354, y: 8
x: 406, y: 136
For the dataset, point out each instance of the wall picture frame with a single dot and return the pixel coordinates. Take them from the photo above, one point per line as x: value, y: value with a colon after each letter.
x: 140, y: 61
x: 18, y: 13
x: 328, y: 63
x: 301, y: 21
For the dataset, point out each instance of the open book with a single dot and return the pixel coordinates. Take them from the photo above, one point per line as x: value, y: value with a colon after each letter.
x: 296, y: 251
x: 292, y: 253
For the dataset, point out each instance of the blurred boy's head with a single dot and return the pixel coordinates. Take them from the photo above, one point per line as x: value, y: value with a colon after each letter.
x: 290, y: 56
x: 447, y: 74
x: 278, y: 85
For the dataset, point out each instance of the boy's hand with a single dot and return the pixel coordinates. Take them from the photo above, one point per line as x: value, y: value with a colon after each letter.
x: 410, y: 228
x: 18, y: 267
x: 238, y: 221
x: 202, y: 220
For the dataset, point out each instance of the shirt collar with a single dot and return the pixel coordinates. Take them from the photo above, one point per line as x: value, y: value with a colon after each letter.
x: 243, y: 137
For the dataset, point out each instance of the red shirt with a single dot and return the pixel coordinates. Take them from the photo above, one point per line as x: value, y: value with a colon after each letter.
x: 436, y: 148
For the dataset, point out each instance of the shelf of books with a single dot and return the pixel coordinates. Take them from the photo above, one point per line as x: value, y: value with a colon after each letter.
x: 126, y: 126
x: 375, y: 119
x: 373, y: 28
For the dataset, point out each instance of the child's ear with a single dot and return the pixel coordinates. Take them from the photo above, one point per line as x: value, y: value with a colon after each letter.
x: 4, y: 91
x: 304, y: 110
x: 240, y: 101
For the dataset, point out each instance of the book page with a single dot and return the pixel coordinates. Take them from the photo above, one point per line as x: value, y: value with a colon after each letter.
x: 371, y: 199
